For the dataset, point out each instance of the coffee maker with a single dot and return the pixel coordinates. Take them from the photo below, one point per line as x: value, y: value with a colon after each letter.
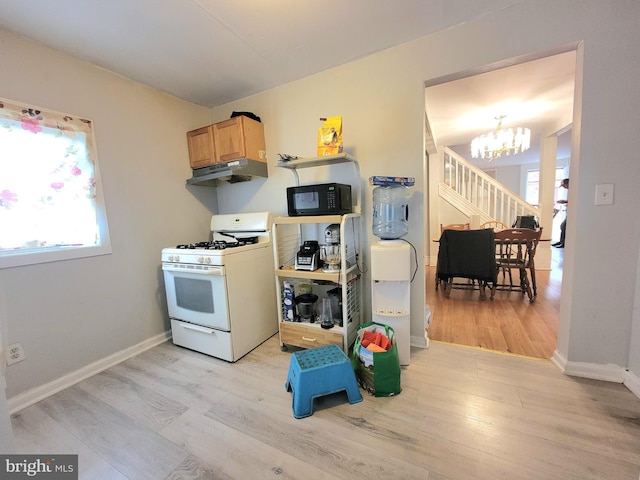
x: 331, y: 249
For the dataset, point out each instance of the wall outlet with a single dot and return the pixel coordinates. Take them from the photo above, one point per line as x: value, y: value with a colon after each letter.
x: 15, y: 353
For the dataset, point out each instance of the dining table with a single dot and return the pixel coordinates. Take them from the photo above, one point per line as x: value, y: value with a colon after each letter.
x: 514, y: 248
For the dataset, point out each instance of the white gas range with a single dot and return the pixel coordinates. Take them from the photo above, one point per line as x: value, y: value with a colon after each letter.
x: 221, y: 292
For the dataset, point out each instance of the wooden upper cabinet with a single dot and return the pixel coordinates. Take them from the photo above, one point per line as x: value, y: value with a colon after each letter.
x: 239, y: 137
x: 201, y: 147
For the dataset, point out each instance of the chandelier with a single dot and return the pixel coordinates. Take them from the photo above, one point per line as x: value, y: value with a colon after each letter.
x: 501, y: 141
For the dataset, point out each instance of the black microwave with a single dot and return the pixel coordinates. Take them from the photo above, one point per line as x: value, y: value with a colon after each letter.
x: 319, y: 199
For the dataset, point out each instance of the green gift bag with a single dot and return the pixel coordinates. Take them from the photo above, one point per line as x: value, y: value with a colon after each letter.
x: 377, y: 372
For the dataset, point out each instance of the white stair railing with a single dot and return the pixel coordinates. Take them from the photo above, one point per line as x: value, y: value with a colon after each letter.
x: 481, y: 190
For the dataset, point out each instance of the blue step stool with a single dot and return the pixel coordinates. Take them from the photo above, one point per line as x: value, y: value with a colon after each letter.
x: 320, y: 371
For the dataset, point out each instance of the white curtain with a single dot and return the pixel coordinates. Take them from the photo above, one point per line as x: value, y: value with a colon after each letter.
x: 47, y: 187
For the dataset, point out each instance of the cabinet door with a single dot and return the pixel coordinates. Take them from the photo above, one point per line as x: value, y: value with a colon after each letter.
x: 229, y: 136
x: 239, y: 137
x: 201, y: 147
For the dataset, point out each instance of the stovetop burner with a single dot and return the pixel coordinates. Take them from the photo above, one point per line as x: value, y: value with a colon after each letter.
x: 218, y: 244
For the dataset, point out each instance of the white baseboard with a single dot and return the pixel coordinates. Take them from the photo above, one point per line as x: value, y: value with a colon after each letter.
x: 609, y: 372
x: 420, y: 342
x: 632, y: 382
x: 558, y: 360
x: 34, y: 395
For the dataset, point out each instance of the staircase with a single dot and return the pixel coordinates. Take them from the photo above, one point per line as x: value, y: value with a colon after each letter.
x: 473, y: 192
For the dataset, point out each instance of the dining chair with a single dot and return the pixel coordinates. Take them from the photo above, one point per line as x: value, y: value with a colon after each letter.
x: 516, y: 249
x: 497, y: 225
x: 451, y: 226
x: 467, y: 254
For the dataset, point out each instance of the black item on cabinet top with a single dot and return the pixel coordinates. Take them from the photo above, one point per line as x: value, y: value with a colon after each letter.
x: 241, y: 170
x: 252, y: 116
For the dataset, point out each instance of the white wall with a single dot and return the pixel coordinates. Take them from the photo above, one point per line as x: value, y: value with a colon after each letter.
x: 69, y: 314
x: 510, y: 177
x: 381, y: 99
x: 382, y: 128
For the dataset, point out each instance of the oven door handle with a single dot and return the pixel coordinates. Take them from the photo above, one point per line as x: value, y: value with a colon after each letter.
x: 196, y: 328
x: 204, y: 271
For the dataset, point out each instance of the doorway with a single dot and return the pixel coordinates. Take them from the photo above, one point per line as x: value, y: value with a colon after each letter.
x: 457, y: 109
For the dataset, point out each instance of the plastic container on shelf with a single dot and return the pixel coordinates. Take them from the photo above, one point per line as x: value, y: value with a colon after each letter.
x: 390, y: 211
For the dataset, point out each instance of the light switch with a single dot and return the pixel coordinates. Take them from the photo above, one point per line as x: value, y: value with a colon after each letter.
x: 604, y: 194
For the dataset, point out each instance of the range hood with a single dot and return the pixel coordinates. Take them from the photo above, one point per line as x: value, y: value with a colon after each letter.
x: 241, y: 170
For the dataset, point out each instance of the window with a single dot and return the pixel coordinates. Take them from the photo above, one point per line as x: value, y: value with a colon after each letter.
x: 532, y: 195
x: 559, y: 193
x: 533, y: 187
x: 51, y: 205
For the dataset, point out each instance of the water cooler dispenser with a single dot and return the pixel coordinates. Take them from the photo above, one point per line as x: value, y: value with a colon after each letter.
x: 391, y: 259
x: 390, y: 287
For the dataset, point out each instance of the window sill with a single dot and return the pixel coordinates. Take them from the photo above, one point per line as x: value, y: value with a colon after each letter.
x: 29, y: 257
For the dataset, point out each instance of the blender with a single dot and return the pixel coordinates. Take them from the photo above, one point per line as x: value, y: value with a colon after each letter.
x: 331, y: 249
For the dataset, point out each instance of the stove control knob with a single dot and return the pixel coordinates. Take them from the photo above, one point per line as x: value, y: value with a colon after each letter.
x: 200, y: 259
x: 207, y: 260
x: 176, y: 258
x: 170, y: 258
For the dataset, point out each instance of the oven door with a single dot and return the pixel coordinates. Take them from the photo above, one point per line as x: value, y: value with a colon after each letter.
x: 197, y: 294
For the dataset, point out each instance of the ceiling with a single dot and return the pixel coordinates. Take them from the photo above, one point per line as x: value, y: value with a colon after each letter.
x: 537, y: 94
x: 211, y: 52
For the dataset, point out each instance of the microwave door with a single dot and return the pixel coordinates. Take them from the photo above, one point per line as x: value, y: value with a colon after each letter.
x: 319, y: 199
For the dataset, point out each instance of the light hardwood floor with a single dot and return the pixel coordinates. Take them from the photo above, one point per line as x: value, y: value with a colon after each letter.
x: 464, y: 413
x: 508, y: 323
